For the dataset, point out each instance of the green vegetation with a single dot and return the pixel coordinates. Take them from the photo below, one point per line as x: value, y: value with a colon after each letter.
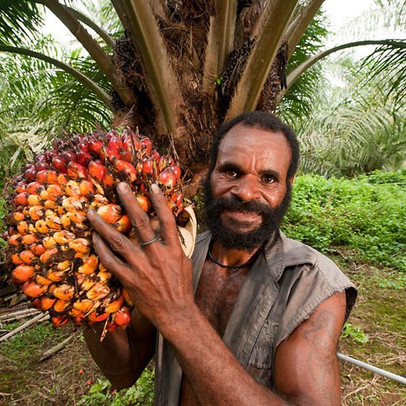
x: 140, y: 394
x: 362, y: 219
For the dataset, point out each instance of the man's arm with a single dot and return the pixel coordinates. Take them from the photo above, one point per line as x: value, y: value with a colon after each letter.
x: 159, y: 279
x: 124, y: 353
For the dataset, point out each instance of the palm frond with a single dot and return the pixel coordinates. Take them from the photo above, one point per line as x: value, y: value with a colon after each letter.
x: 19, y: 20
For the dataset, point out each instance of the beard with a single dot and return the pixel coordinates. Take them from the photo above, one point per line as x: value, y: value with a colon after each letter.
x: 232, y: 238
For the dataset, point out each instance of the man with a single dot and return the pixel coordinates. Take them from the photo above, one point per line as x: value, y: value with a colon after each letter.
x: 255, y: 318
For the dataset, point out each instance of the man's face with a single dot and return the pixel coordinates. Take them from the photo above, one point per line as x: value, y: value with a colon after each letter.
x: 247, y: 193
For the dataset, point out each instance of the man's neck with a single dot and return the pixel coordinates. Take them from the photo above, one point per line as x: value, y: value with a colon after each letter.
x: 229, y: 257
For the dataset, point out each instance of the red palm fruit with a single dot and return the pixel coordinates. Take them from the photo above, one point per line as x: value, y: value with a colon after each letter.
x: 76, y: 170
x: 16, y: 260
x: 64, y: 292
x: 34, y: 188
x: 50, y: 155
x: 97, y: 170
x: 21, y: 187
x: 27, y: 256
x: 147, y: 166
x: 41, y: 166
x: 146, y: 146
x: 130, y: 140
x: 95, y: 318
x: 110, y: 212
x: 47, y: 303
x: 29, y: 239
x: 123, y: 225
x: 21, y: 199
x: 95, y: 145
x: 123, y: 317
x: 176, y: 171
x: 59, y: 164
x: 83, y: 158
x: 22, y: 273
x: 127, y: 168
x: 155, y: 155
x: 176, y: 198
x: 68, y: 156
x: 30, y: 174
x: 42, y: 176
x: 125, y: 155
x: 36, y: 303
x: 144, y: 202
x: 163, y: 162
x: 167, y: 178
x: 34, y: 290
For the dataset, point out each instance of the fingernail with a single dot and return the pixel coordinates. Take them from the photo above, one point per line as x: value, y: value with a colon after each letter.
x: 95, y: 238
x: 154, y: 188
x: 122, y: 187
x: 90, y: 214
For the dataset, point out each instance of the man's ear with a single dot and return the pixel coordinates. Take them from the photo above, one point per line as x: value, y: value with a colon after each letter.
x: 290, y: 180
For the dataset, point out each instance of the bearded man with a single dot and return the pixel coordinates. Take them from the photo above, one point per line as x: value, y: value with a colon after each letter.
x: 254, y: 318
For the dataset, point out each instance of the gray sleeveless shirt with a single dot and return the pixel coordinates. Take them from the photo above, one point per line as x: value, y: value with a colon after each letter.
x: 282, y: 289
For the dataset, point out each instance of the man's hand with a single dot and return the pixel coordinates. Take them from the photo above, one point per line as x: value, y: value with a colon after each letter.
x: 157, y: 276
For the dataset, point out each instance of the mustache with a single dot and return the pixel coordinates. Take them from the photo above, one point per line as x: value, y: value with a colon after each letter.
x: 234, y: 204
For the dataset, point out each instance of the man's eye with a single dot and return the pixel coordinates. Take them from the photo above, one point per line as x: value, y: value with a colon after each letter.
x: 268, y: 179
x: 231, y: 174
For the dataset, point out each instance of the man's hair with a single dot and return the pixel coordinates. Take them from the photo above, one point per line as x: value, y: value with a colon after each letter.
x: 260, y: 119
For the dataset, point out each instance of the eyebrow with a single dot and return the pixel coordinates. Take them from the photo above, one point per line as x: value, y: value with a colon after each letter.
x: 231, y: 166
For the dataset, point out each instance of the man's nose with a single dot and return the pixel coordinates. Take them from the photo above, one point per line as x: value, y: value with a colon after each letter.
x: 246, y: 189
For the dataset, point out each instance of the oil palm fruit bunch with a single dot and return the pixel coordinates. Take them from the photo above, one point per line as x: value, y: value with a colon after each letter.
x: 49, y: 237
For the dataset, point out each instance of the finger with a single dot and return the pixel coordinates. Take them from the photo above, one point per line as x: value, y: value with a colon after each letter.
x: 139, y: 219
x: 169, y: 232
x: 109, y: 260
x: 115, y: 240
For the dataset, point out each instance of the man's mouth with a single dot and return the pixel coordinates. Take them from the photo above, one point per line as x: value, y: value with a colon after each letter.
x: 243, y: 216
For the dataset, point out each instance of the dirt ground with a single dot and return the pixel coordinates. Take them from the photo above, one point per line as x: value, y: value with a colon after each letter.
x: 63, y: 379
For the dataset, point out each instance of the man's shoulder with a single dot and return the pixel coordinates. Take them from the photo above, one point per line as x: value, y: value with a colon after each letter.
x: 297, y: 253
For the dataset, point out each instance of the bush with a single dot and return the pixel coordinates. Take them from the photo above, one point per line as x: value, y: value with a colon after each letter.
x: 366, y: 216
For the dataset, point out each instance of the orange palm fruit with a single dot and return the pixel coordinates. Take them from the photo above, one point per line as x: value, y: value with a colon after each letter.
x: 72, y: 188
x: 34, y: 200
x: 18, y: 216
x: 41, y: 280
x: 63, y: 292
x: 83, y: 305
x: 97, y: 292
x: 56, y: 275
x: 80, y: 245
x: 23, y: 228
x: 27, y: 256
x: 89, y: 265
x: 41, y: 226
x: 123, y: 225
x: 37, y: 249
x: 114, y: 306
x: 34, y: 289
x: 16, y: 260
x: 60, y: 305
x: 22, y: 273
x: 47, y: 302
x: 48, y: 242
x: 29, y: 239
x: 59, y: 321
x: 48, y: 255
x: 110, y: 212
